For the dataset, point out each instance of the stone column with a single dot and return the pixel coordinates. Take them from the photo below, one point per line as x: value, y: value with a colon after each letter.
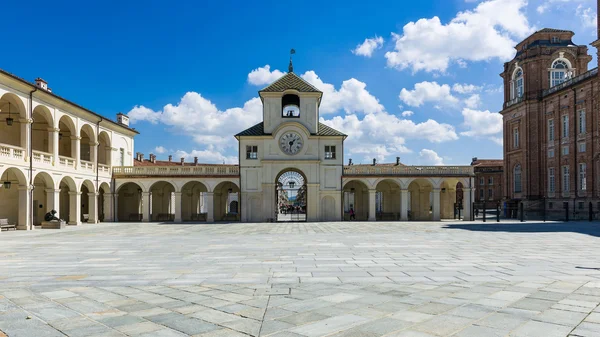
x: 467, y: 204
x: 94, y: 154
x: 108, y: 214
x: 52, y: 201
x: 76, y: 149
x: 93, y: 207
x: 372, y: 205
x: 75, y: 208
x: 146, y: 206
x: 24, y: 218
x: 436, y: 204
x: 404, y: 204
x: 177, y: 206
x: 210, y: 212
x: 53, y: 137
x: 116, y: 207
x: 25, y: 131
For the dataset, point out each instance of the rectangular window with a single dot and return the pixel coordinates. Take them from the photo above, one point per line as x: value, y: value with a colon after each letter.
x: 565, y: 182
x: 251, y: 152
x: 551, y: 180
x: 582, y: 180
x: 491, y: 181
x: 558, y: 77
x: 581, y: 147
x: 481, y: 194
x: 122, y: 156
x: 490, y: 194
x: 550, y: 153
x: 550, y: 129
x: 481, y: 181
x: 329, y: 151
x: 516, y: 138
x: 581, y: 121
x: 565, y: 126
x: 565, y: 150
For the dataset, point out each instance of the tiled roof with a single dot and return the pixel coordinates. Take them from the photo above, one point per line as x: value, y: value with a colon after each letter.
x: 378, y: 164
x: 488, y: 162
x: 258, y: 130
x: 553, y: 30
x: 290, y: 81
x: 146, y: 162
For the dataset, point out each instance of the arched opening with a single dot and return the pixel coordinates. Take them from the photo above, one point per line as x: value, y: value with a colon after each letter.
x: 290, y: 104
x: 104, y: 203
x: 387, y: 201
x: 356, y: 199
x: 88, y: 200
x: 225, y: 194
x: 43, y: 197
x: 12, y: 130
x: 193, y: 201
x: 66, y: 139
x: 420, y: 200
x: 460, y: 207
x: 448, y: 200
x: 162, y: 201
x: 516, y: 90
x: 68, y: 201
x: 42, y: 133
x: 13, y: 190
x: 87, y: 145
x: 104, y: 149
x: 129, y: 202
x: 560, y: 71
x: 291, y: 192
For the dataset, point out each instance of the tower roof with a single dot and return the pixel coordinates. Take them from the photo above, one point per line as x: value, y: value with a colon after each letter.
x: 290, y: 81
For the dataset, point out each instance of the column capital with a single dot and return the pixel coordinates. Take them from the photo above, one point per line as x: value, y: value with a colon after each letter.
x: 436, y: 190
x: 146, y: 193
x: 373, y: 190
x: 91, y: 194
x: 75, y: 138
x: 468, y: 189
x: 209, y: 193
x: 177, y: 194
x: 54, y: 130
x: 94, y: 144
x: 25, y: 120
x: 25, y: 188
x: 52, y: 190
x: 74, y: 193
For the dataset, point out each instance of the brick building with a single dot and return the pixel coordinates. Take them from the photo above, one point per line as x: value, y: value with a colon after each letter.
x: 550, y: 117
x: 488, y: 181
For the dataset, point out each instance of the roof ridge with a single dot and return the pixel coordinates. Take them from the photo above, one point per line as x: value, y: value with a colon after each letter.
x: 292, y: 79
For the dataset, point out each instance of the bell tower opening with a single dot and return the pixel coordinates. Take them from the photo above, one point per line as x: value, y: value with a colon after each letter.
x: 291, y: 106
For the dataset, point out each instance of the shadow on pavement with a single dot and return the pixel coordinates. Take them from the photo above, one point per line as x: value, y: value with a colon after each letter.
x: 588, y: 228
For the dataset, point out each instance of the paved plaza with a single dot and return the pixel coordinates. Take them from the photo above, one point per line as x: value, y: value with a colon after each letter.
x: 310, y: 279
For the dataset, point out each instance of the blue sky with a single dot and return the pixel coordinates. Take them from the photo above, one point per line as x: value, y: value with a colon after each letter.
x: 423, y: 86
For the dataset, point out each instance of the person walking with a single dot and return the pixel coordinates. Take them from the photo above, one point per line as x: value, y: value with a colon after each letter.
x: 352, y: 215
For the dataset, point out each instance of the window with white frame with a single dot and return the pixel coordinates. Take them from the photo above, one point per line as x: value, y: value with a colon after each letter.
x: 565, y: 180
x: 582, y: 180
x: 581, y: 121
x: 490, y: 194
x: 251, y: 152
x: 551, y: 180
x: 482, y: 181
x: 581, y: 147
x: 555, y: 39
x: 558, y: 72
x: 517, y: 178
x: 550, y: 153
x: 550, y: 129
x: 516, y: 138
x: 329, y: 151
x: 122, y: 156
x: 517, y: 84
x: 565, y: 150
x: 565, y: 126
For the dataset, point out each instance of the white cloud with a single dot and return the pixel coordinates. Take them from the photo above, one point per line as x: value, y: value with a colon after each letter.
x: 368, y: 47
x: 588, y: 16
x: 473, y: 101
x: 264, y: 75
x: 206, y: 156
x: 407, y: 113
x: 160, y: 150
x: 427, y: 92
x: 483, y: 124
x: 484, y: 33
x: 430, y: 157
x: 465, y: 88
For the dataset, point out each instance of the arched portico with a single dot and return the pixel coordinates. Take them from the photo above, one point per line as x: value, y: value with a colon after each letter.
x: 87, y: 147
x: 129, y: 203
x: 68, y: 141
x: 193, y: 201
x: 89, y: 202
x: 14, y: 201
x: 104, y: 203
x: 291, y: 193
x: 13, y: 132
x: 226, y: 201
x: 162, y: 201
x: 387, y: 200
x: 70, y: 199
x: 42, y: 133
x: 104, y: 149
x: 421, y: 200
x: 45, y: 196
x: 356, y: 197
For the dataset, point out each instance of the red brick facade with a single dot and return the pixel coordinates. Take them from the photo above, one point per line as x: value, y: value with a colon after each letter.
x: 488, y: 181
x: 551, y: 128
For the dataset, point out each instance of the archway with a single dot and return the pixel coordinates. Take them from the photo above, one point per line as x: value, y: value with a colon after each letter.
x: 66, y: 139
x: 291, y: 196
x: 104, y: 203
x: 387, y: 201
x: 69, y: 204
x: 88, y: 202
x: 87, y: 144
x: 43, y: 197
x: 420, y: 200
x: 448, y: 198
x: 226, y: 201
x: 12, y: 130
x: 356, y: 197
x: 13, y: 196
x: 104, y: 149
x: 162, y: 201
x: 193, y: 201
x: 129, y: 203
x: 42, y: 132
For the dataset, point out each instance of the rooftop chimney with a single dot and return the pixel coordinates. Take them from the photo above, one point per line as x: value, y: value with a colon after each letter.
x: 349, y: 161
x: 152, y: 158
x: 139, y: 156
x: 474, y: 159
x: 41, y: 83
x: 196, y: 161
x: 397, y: 160
x: 374, y: 161
x: 123, y: 119
x: 170, y: 158
x: 182, y: 160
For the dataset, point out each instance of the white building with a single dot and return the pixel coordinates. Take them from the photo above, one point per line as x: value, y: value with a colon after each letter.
x: 291, y: 169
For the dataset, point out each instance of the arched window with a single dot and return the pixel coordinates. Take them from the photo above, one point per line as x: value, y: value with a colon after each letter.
x: 517, y: 178
x: 517, y: 84
x: 559, y: 71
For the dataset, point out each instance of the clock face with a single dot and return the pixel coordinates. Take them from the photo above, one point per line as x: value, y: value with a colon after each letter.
x: 290, y: 143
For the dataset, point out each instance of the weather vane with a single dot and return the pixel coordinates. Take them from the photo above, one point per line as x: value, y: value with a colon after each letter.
x: 291, y: 66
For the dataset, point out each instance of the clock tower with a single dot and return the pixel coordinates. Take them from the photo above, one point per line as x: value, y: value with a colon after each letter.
x: 290, y: 164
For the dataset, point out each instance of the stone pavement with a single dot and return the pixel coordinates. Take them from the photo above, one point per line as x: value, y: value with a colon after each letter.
x: 311, y: 279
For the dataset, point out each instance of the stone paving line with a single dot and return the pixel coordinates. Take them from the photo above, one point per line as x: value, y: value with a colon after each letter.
x: 322, y: 279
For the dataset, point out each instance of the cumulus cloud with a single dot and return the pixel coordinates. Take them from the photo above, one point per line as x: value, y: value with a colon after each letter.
x: 368, y: 46
x: 487, y: 32
x: 473, y: 101
x: 206, y: 156
x: 465, y: 88
x: 264, y: 75
x: 160, y: 150
x: 482, y: 124
x: 430, y: 157
x: 588, y: 16
x: 407, y: 113
x: 427, y: 92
